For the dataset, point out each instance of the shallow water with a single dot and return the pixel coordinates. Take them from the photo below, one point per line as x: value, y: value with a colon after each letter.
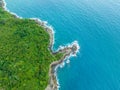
x: 95, y: 24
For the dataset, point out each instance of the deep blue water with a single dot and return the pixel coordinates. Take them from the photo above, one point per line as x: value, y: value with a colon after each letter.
x: 95, y: 24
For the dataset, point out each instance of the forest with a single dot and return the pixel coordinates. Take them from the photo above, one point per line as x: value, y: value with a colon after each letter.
x: 24, y: 54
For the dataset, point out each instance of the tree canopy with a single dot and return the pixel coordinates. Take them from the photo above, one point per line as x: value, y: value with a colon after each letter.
x: 24, y: 54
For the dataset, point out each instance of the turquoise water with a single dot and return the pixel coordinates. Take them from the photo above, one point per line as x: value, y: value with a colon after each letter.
x: 95, y: 24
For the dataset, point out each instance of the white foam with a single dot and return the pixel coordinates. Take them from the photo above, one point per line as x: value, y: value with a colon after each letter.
x: 62, y: 65
x: 67, y: 61
x: 70, y: 45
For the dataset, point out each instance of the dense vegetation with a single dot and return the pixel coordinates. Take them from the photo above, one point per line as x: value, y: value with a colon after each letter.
x: 24, y: 54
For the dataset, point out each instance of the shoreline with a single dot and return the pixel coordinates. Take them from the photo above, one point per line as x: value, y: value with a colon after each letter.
x: 69, y: 50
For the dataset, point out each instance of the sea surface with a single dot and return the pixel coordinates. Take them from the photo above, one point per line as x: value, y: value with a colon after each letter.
x: 95, y: 24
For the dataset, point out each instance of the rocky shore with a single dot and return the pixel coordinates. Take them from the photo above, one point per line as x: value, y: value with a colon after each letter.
x: 67, y: 51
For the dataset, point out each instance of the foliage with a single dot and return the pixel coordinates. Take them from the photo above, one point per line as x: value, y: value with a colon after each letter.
x: 24, y: 54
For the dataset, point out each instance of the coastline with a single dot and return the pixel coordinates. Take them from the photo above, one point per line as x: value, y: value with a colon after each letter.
x: 68, y: 51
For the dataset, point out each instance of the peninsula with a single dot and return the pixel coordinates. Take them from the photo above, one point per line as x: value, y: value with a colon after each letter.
x: 27, y: 61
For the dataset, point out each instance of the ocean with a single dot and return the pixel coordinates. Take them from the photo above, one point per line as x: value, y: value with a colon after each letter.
x: 95, y: 24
